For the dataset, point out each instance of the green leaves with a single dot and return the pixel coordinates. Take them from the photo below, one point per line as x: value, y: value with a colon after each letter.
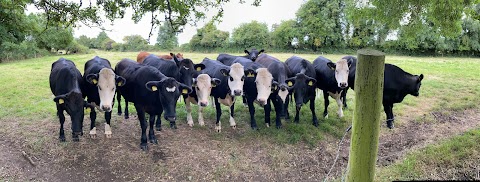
x: 167, y: 38
x: 250, y: 35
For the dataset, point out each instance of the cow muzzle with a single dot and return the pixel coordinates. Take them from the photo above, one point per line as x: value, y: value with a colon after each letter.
x: 262, y: 102
x: 237, y: 92
x: 203, y: 103
x: 343, y: 85
x: 106, y: 108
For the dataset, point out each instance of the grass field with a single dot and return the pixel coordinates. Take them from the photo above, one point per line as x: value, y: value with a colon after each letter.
x: 27, y: 114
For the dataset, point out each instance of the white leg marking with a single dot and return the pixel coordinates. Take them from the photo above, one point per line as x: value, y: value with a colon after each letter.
x: 340, y: 105
x: 189, y: 112
x: 93, y: 132
x: 219, y: 127
x: 232, y: 122
x: 108, y: 131
x: 200, y: 116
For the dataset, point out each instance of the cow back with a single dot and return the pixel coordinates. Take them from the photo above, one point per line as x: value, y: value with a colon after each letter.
x: 167, y: 67
x: 65, y: 77
x: 324, y: 75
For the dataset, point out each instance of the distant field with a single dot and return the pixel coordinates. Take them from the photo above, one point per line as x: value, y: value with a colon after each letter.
x: 29, y: 123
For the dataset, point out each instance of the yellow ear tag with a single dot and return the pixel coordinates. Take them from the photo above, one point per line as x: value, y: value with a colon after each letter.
x: 61, y: 101
x: 95, y: 81
x: 88, y: 109
x: 199, y: 69
x: 250, y: 75
x: 184, y: 91
x: 310, y: 83
x: 119, y: 84
x: 289, y: 84
x: 154, y: 88
x: 275, y: 88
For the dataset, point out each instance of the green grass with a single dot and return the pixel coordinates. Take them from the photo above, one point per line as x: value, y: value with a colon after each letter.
x: 451, y: 159
x: 450, y: 84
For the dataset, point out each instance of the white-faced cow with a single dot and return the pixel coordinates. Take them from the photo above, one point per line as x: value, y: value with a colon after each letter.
x: 231, y: 85
x: 228, y: 59
x: 100, y: 90
x: 202, y: 85
x: 66, y: 84
x: 280, y: 73
x: 303, y: 85
x: 397, y: 85
x: 332, y: 78
x: 352, y: 61
x: 151, y: 92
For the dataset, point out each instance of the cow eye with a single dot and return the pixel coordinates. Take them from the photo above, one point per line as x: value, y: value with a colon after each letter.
x: 99, y: 88
x: 113, y: 89
x: 231, y: 79
x: 243, y: 78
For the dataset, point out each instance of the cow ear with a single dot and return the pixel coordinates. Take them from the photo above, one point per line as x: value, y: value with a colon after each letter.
x: 311, y: 81
x: 184, y: 89
x: 349, y: 63
x: 199, y: 67
x: 175, y: 59
x: 274, y: 85
x: 246, y: 52
x: 331, y: 65
x: 215, y: 82
x: 120, y: 81
x: 92, y: 78
x: 152, y: 86
x: 60, y: 99
x: 290, y: 82
x: 261, y: 51
x: 420, y: 78
x: 250, y: 73
x: 225, y: 72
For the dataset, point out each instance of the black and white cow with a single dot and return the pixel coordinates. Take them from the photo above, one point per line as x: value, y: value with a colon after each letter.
x: 280, y: 73
x: 151, y: 92
x: 303, y: 85
x: 202, y: 85
x: 66, y: 84
x: 183, y: 70
x: 100, y: 87
x: 257, y: 87
x: 228, y: 59
x: 351, y: 77
x: 332, y: 78
x: 231, y: 85
x: 397, y: 85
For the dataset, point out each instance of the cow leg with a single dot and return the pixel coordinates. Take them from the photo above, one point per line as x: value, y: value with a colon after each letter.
x: 189, y: 112
x: 213, y: 101
x: 389, y: 112
x: 119, y: 99
x: 268, y: 109
x: 218, y: 124
x: 151, y: 131
x: 297, y: 111
x: 340, y: 105
x: 344, y: 98
x: 326, y: 103
x: 287, y: 102
x: 126, y: 109
x: 251, y: 109
x: 244, y: 99
x: 61, y: 117
x: 312, y: 108
x: 200, y: 116
x: 143, y: 125
x: 93, y: 128
x: 278, y: 104
x: 232, y: 121
x: 108, y: 129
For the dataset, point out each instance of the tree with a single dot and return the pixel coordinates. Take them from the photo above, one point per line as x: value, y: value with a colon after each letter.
x: 135, y: 43
x: 283, y: 34
x: 85, y: 41
x: 107, y: 44
x: 209, y: 37
x: 101, y: 37
x: 253, y: 34
x: 167, y: 37
x: 53, y: 37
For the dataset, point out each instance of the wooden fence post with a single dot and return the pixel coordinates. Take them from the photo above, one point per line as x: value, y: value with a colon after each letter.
x: 366, y: 117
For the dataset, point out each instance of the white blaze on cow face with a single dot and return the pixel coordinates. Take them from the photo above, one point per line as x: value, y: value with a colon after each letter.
x: 283, y: 95
x: 264, y: 85
x: 203, y: 88
x: 341, y: 73
x: 106, y: 89
x: 170, y: 89
x: 235, y: 81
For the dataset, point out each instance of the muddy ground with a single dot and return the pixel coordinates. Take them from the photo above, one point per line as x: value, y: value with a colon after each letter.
x: 193, y: 154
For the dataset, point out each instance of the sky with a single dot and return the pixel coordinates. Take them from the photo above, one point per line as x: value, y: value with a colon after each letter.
x: 269, y: 11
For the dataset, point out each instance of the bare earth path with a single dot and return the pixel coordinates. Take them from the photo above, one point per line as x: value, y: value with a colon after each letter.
x: 197, y: 153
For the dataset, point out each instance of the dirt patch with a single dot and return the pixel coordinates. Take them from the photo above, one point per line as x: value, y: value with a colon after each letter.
x: 198, y: 153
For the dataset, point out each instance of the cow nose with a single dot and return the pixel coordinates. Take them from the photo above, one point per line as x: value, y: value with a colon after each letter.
x: 237, y: 92
x: 106, y: 108
x: 283, y: 88
x: 262, y: 101
x: 343, y: 84
x: 171, y: 119
x: 203, y: 104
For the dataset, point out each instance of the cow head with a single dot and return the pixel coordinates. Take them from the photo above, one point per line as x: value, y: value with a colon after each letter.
x: 253, y: 53
x: 73, y: 103
x: 203, y: 87
x: 106, y: 82
x: 168, y: 90
x: 418, y: 83
x: 342, y: 69
x: 301, y: 83
x: 188, y: 70
x: 264, y: 83
x: 236, y: 77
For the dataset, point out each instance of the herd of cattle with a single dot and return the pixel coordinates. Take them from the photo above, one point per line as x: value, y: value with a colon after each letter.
x: 154, y: 83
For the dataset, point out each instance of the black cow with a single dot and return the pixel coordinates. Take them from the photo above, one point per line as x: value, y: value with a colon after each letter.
x: 230, y: 85
x: 397, y: 85
x: 183, y: 70
x: 280, y: 73
x: 228, y: 59
x: 332, y: 78
x: 303, y: 85
x: 66, y: 84
x: 151, y: 92
x: 100, y: 90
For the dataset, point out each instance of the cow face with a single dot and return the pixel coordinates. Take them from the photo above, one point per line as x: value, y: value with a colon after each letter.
x: 106, y: 82
x: 168, y: 90
x: 418, y: 83
x: 341, y: 68
x: 236, y: 78
x: 265, y: 84
x: 301, y: 84
x: 203, y: 87
x: 73, y: 103
x: 188, y: 71
x: 253, y: 54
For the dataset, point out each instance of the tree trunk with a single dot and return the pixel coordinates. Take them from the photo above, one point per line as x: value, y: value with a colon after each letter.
x: 366, y: 117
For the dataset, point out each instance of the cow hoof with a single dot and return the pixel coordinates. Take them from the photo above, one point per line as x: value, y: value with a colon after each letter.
x: 297, y: 121
x: 254, y: 128
x: 390, y: 124
x: 325, y: 116
x: 154, y: 141
x: 234, y: 127
x: 158, y: 128
x: 144, y: 147
x: 268, y: 125
x: 190, y: 124
x: 119, y: 113
x: 218, y: 129
x: 108, y: 135
x: 126, y: 117
x: 76, y: 139
x: 315, y: 124
x: 62, y: 139
x: 93, y: 136
x: 279, y: 126
x: 202, y: 124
